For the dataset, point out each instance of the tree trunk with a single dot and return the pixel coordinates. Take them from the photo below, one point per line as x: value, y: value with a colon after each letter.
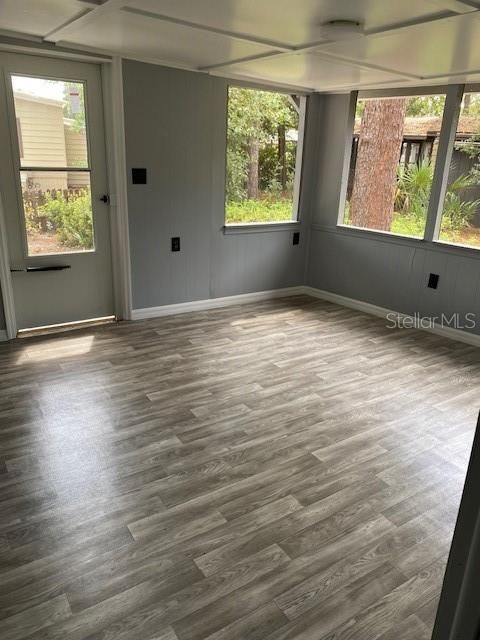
x: 379, y: 147
x: 252, y: 185
x: 282, y: 159
x: 466, y: 104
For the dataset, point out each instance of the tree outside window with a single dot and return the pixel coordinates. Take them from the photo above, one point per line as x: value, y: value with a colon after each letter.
x: 393, y: 158
x: 262, y: 139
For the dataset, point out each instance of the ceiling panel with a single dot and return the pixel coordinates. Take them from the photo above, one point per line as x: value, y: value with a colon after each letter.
x: 37, y: 17
x: 146, y: 38
x: 439, y: 48
x: 294, y: 22
x: 309, y: 70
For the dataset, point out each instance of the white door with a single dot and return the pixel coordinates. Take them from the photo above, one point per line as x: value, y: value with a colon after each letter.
x: 53, y: 181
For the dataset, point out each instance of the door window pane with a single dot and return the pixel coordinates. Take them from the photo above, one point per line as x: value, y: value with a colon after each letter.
x: 392, y: 163
x: 58, y: 211
x: 461, y: 208
x: 50, y: 116
x: 51, y: 134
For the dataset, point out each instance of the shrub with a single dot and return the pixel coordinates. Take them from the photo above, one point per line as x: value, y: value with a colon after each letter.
x: 70, y: 216
x: 413, y: 189
x: 458, y: 213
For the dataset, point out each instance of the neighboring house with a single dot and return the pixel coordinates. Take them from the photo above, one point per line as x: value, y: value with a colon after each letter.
x: 420, y: 142
x: 46, y: 138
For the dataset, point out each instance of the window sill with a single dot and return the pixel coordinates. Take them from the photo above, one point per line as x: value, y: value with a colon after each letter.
x: 260, y: 227
x: 456, y: 246
x: 378, y: 233
x: 394, y: 238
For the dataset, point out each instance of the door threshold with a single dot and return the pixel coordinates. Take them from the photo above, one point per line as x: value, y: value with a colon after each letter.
x: 65, y: 326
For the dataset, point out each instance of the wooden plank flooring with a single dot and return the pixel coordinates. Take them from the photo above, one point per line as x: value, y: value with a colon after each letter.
x: 283, y: 470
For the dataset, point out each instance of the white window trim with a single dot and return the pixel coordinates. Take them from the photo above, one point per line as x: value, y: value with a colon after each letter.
x: 446, y: 142
x: 297, y: 179
x: 454, y: 96
x: 274, y: 225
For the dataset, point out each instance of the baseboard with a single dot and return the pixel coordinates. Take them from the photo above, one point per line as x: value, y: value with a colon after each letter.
x: 3, y: 335
x: 381, y: 312
x: 244, y: 298
x: 214, y: 303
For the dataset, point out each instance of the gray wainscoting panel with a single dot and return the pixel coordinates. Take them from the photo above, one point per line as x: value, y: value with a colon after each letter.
x: 395, y: 276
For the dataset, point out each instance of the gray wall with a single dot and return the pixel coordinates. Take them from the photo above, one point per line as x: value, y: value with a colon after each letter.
x: 175, y: 126
x: 385, y: 271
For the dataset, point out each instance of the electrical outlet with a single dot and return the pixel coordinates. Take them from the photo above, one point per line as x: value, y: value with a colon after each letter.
x: 175, y: 244
x: 433, y: 280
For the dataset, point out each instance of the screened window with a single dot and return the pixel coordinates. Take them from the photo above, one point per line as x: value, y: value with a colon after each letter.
x: 54, y: 165
x: 263, y: 156
x: 461, y: 207
x: 393, y: 157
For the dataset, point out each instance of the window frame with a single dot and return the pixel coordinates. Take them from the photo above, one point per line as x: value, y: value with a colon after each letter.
x: 453, y: 100
x: 274, y: 225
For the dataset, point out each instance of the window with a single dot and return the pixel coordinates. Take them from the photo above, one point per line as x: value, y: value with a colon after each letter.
x: 461, y: 206
x: 392, y: 162
x: 263, y: 156
x: 54, y: 165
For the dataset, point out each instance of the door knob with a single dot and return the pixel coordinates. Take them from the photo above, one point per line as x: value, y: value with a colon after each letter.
x: 105, y: 198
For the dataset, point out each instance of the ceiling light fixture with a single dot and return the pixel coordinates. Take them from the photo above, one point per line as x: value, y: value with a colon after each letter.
x: 345, y: 27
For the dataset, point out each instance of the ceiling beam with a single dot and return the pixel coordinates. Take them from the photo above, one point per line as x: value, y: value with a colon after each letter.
x: 202, y: 27
x: 84, y: 18
x: 464, y: 6
x: 65, y: 24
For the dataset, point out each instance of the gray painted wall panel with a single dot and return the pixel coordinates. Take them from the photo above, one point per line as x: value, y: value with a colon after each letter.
x: 255, y: 262
x: 175, y: 126
x: 385, y: 271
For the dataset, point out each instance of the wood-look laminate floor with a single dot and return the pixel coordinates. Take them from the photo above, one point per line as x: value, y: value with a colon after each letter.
x: 283, y: 470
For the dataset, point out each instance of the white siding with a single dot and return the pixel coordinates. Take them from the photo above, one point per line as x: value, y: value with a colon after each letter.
x: 42, y: 140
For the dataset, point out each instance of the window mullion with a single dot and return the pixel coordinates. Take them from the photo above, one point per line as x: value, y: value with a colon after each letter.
x: 347, y: 154
x: 442, y: 165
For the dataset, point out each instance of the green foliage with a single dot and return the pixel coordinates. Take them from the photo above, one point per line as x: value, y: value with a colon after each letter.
x: 264, y: 210
x: 458, y: 213
x: 413, y: 194
x: 70, y: 217
x: 270, y: 167
x: 413, y: 189
x: 237, y: 166
x: 425, y: 105
x: 471, y: 148
x: 407, y: 225
x: 416, y: 106
x: 412, y: 198
x: 258, y: 116
x: 471, y: 104
x: 254, y: 114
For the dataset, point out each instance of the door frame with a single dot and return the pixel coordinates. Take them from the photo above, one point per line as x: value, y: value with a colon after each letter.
x: 112, y: 82
x: 458, y: 617
x: 112, y: 85
x: 6, y: 285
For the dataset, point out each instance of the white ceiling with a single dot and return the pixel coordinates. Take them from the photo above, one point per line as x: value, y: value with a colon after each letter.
x: 284, y: 42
